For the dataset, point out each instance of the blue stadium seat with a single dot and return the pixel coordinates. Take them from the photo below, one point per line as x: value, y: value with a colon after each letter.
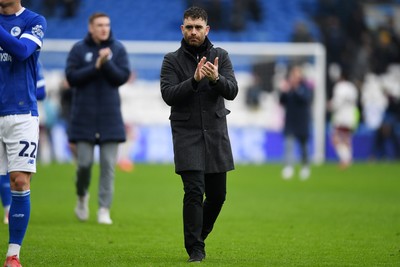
x: 160, y: 20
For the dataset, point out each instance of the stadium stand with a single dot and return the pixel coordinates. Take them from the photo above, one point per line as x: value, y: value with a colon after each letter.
x: 159, y: 19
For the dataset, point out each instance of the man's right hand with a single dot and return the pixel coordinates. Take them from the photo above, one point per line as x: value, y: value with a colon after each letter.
x: 197, y: 74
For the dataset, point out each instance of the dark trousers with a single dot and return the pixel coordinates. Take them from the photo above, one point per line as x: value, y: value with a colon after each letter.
x: 199, y: 213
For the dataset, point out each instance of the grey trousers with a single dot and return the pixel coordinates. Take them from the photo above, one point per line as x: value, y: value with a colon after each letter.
x: 289, y: 149
x: 108, y: 159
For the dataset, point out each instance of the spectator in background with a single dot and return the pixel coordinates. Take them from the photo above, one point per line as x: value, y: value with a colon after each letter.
x: 384, y: 52
x: 301, y: 33
x: 214, y: 9
x: 253, y: 93
x: 66, y: 93
x: 345, y: 118
x: 239, y: 13
x: 49, y: 114
x: 386, y: 142
x: 195, y: 81
x: 96, y: 67
x: 242, y: 10
x: 70, y: 7
x: 296, y: 97
x: 360, y: 66
x: 355, y: 25
x: 49, y: 7
x: 41, y: 95
x: 334, y: 39
x: 373, y: 101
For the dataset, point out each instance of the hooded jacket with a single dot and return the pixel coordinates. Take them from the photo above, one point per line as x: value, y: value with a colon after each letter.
x: 96, y: 106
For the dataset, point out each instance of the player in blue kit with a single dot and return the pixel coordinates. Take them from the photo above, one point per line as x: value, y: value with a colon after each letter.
x: 21, y: 37
x: 5, y: 193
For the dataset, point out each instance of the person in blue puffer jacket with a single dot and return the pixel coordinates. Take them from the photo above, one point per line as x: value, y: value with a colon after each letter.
x: 96, y: 67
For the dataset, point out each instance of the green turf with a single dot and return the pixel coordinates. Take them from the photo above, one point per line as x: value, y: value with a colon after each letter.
x: 337, y: 218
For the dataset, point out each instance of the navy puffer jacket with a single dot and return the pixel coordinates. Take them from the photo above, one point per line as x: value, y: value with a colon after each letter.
x: 96, y: 106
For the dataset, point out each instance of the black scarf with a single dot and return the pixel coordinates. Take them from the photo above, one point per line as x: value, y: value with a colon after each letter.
x: 197, y: 50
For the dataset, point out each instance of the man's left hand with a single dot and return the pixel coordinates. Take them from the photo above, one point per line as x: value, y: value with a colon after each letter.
x: 210, y: 70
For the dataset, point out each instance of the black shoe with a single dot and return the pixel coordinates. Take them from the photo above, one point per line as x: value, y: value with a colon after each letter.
x: 196, y: 256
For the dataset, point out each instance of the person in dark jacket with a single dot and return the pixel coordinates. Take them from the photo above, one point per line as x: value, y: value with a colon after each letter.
x: 195, y: 81
x: 96, y: 67
x: 296, y: 97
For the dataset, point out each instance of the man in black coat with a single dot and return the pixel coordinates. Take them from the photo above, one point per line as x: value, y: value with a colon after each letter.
x: 96, y: 67
x: 195, y: 81
x: 296, y: 98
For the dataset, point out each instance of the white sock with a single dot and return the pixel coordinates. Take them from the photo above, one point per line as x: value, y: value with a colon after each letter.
x: 344, y: 153
x: 13, y: 249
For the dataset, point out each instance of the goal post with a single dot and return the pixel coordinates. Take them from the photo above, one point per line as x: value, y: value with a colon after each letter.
x: 315, y: 50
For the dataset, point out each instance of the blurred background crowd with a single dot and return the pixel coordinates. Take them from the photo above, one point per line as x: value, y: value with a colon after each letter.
x: 361, y: 38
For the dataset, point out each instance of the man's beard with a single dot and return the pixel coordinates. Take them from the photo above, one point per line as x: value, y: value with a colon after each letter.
x: 194, y: 42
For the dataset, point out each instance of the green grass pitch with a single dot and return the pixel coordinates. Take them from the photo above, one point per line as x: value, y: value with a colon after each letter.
x: 336, y: 218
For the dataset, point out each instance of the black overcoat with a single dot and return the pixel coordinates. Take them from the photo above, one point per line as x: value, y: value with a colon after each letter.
x: 96, y: 105
x: 198, y: 113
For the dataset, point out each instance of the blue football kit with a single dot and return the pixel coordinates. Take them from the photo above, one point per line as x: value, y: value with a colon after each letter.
x: 21, y: 37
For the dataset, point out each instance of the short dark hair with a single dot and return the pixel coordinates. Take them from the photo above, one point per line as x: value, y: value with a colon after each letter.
x: 195, y: 12
x: 97, y: 15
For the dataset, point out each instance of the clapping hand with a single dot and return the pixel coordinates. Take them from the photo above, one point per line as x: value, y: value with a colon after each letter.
x: 206, y: 69
x: 104, y: 55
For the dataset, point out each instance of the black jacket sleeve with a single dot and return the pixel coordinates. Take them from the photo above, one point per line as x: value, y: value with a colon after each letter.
x: 174, y: 91
x: 77, y: 73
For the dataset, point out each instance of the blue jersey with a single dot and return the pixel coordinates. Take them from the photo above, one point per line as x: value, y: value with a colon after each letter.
x: 21, y: 37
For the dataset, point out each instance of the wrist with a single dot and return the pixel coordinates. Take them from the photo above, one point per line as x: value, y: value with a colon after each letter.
x: 216, y: 80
